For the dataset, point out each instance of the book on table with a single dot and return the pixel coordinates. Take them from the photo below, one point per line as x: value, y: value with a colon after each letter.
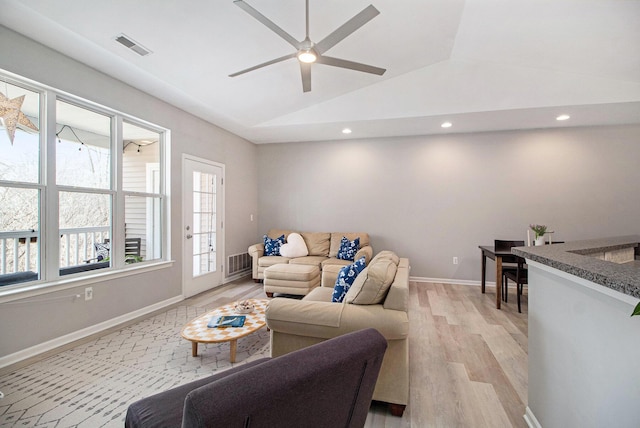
x: 221, y: 321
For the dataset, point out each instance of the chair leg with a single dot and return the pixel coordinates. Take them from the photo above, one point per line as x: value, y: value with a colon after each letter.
x: 505, y: 289
x: 519, y: 288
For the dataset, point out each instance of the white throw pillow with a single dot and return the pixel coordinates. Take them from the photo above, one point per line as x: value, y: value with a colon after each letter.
x: 295, y: 246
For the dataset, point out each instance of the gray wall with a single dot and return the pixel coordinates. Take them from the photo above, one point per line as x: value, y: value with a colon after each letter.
x: 28, y: 324
x: 433, y: 198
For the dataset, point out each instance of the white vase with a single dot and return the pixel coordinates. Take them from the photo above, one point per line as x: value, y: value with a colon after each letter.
x: 539, y: 240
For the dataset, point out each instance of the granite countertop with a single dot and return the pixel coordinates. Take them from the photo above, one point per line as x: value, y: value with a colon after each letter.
x: 573, y: 258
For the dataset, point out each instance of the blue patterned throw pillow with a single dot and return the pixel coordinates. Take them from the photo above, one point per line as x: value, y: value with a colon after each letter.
x: 348, y: 249
x: 272, y: 246
x: 345, y: 279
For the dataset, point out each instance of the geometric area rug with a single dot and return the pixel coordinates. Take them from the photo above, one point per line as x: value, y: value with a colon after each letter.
x: 92, y: 385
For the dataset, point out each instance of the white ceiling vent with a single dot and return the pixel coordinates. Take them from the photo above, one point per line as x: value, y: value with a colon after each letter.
x: 128, y: 42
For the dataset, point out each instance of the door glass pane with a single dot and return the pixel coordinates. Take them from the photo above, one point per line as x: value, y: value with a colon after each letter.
x: 204, y: 223
x: 83, y: 152
x: 85, y: 230
x: 140, y: 154
x: 19, y: 235
x: 20, y: 159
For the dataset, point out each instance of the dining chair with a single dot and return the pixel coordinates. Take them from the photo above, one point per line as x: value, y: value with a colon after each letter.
x: 509, y: 264
x: 520, y: 276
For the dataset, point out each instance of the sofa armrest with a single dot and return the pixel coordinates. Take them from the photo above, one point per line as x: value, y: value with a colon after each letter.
x: 256, y: 250
x: 398, y: 295
x: 326, y: 320
x: 366, y: 252
x: 283, y: 311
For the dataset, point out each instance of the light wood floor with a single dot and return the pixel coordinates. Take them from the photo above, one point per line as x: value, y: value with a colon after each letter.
x: 468, y: 360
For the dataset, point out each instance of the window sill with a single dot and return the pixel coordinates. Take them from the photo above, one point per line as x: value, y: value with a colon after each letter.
x: 11, y: 293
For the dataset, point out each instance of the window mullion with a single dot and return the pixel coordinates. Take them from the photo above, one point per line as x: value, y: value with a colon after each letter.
x: 49, y: 208
x: 117, y: 211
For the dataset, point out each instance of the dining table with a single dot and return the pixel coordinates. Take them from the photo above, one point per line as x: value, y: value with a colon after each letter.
x: 499, y: 257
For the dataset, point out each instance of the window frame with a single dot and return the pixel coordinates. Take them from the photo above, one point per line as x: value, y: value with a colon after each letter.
x: 48, y: 259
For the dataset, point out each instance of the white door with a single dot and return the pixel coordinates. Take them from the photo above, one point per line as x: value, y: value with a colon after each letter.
x: 202, y: 201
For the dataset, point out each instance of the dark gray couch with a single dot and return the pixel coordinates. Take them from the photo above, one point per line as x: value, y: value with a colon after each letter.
x: 325, y: 385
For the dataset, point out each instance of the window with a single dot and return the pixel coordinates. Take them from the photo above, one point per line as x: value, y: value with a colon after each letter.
x: 20, y: 188
x: 83, y: 183
x: 90, y: 196
x: 141, y: 181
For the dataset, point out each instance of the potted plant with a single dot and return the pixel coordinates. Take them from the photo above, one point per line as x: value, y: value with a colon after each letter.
x: 636, y: 311
x: 539, y: 230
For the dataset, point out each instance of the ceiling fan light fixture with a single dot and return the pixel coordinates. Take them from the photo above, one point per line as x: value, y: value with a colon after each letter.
x: 307, y: 56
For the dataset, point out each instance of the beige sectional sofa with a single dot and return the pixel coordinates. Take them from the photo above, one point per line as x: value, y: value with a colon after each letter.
x: 322, y: 246
x: 296, y: 324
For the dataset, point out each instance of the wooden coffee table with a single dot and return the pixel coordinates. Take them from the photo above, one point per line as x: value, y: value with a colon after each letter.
x: 197, y: 331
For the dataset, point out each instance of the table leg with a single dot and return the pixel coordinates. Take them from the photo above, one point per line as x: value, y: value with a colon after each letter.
x: 498, y: 281
x: 484, y: 271
x: 233, y: 347
x: 194, y: 349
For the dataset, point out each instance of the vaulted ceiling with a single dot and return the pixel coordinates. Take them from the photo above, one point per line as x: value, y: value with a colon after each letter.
x: 480, y: 64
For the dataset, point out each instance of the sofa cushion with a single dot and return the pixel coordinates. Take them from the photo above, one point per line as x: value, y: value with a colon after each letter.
x: 336, y: 262
x: 336, y: 239
x: 295, y: 246
x: 309, y: 260
x: 348, y: 249
x: 274, y: 233
x: 266, y: 261
x: 372, y: 285
x: 317, y: 243
x: 292, y: 272
x: 345, y: 279
x: 272, y: 245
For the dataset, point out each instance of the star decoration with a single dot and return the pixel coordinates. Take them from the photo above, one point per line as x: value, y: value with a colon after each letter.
x: 12, y: 116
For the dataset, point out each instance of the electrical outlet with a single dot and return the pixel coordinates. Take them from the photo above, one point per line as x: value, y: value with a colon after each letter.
x: 88, y: 293
x: 455, y: 260
x: 251, y: 217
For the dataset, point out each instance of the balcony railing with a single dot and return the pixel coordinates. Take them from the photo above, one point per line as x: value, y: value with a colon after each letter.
x: 19, y: 249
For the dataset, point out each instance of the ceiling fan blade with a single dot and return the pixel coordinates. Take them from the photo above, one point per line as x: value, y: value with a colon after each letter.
x: 264, y: 64
x: 268, y: 23
x: 346, y: 29
x: 343, y: 63
x: 305, y: 71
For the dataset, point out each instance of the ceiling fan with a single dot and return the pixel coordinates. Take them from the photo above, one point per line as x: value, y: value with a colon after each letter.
x: 309, y: 52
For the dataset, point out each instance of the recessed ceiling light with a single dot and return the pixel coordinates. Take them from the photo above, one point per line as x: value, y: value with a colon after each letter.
x: 563, y: 117
x: 346, y: 131
x: 447, y: 125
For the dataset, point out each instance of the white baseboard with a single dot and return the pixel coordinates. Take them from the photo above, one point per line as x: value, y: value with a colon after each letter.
x: 450, y: 281
x: 41, y: 348
x: 530, y: 419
